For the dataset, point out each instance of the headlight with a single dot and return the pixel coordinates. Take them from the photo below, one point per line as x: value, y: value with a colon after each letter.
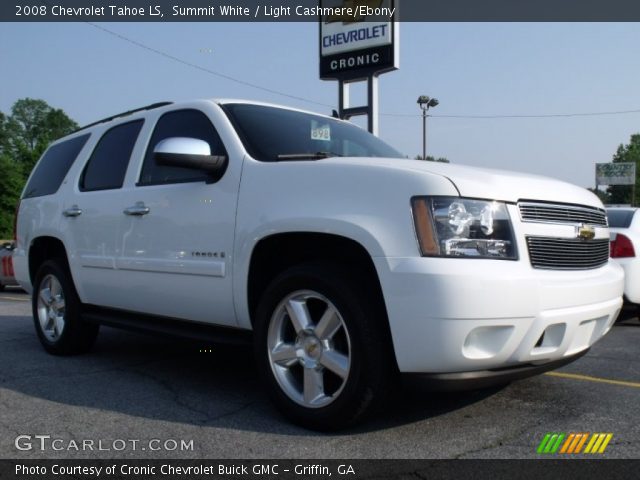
x: 463, y: 227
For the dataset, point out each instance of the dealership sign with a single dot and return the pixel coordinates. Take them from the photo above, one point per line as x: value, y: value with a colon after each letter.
x: 358, y: 38
x: 623, y: 173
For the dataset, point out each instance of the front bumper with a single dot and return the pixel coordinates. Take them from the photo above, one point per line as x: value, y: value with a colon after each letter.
x: 451, y: 315
x: 487, y: 378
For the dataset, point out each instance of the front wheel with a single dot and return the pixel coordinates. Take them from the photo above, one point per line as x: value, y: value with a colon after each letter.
x: 56, y: 312
x: 321, y: 347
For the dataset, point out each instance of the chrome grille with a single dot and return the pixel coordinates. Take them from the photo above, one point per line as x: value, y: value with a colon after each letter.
x: 561, y: 213
x: 567, y: 253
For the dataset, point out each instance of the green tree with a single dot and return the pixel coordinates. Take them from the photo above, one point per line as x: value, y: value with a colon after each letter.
x: 4, y: 133
x: 24, y: 135
x: 32, y: 125
x: 27, y: 119
x: 626, y: 153
x: 58, y: 124
x: 11, y: 183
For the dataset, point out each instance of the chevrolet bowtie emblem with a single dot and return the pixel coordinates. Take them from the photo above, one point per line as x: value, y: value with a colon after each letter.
x: 585, y: 232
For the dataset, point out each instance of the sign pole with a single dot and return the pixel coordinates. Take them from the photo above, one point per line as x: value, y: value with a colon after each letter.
x: 343, y: 97
x: 372, y: 87
x: 345, y: 111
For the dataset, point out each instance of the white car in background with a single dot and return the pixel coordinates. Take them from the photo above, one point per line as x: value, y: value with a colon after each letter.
x: 624, y: 227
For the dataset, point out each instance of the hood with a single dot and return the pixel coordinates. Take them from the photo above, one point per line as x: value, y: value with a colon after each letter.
x: 492, y: 184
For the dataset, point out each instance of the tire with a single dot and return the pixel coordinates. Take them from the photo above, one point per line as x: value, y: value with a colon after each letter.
x: 323, y: 348
x: 1, y: 287
x: 57, y: 312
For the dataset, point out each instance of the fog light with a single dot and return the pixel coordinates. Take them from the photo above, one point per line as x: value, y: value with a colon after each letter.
x: 486, y: 342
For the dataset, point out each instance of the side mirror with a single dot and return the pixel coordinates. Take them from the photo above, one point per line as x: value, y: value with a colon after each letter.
x: 188, y: 153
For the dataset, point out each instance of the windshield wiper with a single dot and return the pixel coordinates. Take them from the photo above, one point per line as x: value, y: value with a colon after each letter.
x: 307, y: 156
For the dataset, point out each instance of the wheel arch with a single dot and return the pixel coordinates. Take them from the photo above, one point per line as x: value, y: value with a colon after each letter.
x: 276, y: 253
x: 45, y: 248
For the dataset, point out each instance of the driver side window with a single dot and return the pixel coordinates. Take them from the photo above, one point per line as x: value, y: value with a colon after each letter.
x: 179, y: 123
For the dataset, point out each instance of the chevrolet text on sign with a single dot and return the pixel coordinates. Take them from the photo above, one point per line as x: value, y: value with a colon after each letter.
x: 358, y: 38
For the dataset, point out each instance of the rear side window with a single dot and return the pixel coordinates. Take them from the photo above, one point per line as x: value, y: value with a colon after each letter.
x: 108, y: 163
x: 179, y: 123
x: 620, y: 218
x: 53, y: 167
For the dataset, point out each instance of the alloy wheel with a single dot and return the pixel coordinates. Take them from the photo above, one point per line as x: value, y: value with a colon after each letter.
x: 309, y: 348
x: 51, y: 308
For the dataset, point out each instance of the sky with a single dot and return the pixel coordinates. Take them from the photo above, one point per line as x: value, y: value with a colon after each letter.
x: 473, y: 69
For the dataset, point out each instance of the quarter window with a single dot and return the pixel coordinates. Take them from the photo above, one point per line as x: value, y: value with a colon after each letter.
x: 53, y: 167
x: 179, y: 123
x: 108, y: 163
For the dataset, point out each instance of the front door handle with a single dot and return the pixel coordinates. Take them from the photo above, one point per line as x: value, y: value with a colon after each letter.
x: 73, y: 211
x: 137, y: 210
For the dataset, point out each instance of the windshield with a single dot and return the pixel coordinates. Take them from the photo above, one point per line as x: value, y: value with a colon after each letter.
x: 274, y: 134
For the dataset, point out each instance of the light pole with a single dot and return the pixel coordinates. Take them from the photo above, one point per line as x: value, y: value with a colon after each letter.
x: 425, y: 103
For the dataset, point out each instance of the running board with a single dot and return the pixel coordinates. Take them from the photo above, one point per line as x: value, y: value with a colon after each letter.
x: 167, y: 327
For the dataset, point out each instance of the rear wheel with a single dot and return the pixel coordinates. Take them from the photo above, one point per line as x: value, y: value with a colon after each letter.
x: 56, y: 312
x: 321, y: 347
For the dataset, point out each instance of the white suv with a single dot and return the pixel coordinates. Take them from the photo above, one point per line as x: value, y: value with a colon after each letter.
x: 344, y: 262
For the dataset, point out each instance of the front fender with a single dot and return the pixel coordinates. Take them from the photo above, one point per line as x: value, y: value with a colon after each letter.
x: 368, y: 203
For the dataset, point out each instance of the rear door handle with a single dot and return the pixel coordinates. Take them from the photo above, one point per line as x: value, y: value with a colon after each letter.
x: 137, y: 210
x: 73, y: 211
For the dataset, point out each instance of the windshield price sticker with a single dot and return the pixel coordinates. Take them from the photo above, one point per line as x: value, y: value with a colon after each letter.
x: 322, y: 132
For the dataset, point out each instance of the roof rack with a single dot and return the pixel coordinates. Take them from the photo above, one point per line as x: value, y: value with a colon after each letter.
x: 124, y: 114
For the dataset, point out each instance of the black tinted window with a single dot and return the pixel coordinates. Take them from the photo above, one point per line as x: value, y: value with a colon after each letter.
x: 181, y: 123
x: 271, y: 133
x: 620, y: 218
x: 108, y: 163
x: 53, y: 167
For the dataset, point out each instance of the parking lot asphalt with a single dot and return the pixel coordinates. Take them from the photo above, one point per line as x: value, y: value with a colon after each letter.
x: 132, y: 389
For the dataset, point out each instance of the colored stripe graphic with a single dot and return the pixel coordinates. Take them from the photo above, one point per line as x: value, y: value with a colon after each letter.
x: 582, y: 442
x: 594, y: 437
x: 607, y: 439
x: 558, y: 442
x: 543, y: 443
x: 573, y: 442
x: 550, y: 443
x: 570, y: 439
x: 598, y: 442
